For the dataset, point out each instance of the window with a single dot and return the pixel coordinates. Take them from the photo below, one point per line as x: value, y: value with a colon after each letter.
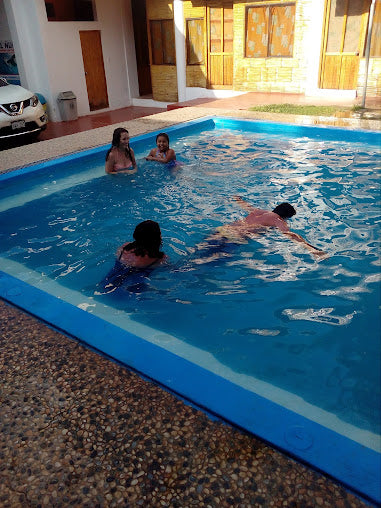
x: 162, y: 42
x: 69, y: 10
x: 195, y: 41
x: 270, y: 30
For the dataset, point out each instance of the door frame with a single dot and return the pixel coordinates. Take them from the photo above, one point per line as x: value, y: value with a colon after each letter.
x: 139, y: 15
x: 342, y: 56
x: 219, y: 4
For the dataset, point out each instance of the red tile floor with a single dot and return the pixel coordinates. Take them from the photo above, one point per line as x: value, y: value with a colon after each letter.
x: 85, y: 123
x: 244, y: 101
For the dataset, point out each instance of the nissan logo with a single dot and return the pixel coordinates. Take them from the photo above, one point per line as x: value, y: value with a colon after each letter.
x: 13, y: 108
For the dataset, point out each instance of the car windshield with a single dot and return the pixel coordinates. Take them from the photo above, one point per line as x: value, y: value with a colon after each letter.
x: 3, y: 82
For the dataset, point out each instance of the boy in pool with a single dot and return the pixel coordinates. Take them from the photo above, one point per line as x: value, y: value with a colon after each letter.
x: 162, y: 153
x: 255, y: 222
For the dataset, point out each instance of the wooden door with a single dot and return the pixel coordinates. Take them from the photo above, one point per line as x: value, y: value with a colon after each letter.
x: 345, y: 31
x: 139, y: 18
x: 220, y: 44
x: 94, y: 69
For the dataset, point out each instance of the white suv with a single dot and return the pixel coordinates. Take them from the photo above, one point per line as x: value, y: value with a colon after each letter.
x: 20, y: 111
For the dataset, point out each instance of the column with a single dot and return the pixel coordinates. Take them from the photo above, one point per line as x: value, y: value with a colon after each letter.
x: 178, y: 18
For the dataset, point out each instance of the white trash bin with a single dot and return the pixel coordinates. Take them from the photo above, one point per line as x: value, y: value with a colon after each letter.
x: 67, y: 103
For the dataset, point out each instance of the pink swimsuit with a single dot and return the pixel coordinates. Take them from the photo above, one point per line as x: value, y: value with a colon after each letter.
x: 120, y: 160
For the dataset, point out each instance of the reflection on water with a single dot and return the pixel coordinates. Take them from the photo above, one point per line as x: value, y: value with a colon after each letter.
x: 264, y: 307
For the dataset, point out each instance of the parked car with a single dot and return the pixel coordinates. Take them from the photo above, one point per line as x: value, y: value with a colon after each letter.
x: 21, y: 112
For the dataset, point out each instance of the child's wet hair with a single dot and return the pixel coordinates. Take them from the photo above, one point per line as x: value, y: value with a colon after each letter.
x: 285, y: 210
x: 164, y: 134
x: 147, y: 240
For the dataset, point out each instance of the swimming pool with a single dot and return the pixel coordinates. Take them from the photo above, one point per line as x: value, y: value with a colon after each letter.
x: 262, y: 334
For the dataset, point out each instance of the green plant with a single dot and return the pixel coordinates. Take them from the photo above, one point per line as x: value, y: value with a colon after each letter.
x: 296, y: 109
x: 356, y: 109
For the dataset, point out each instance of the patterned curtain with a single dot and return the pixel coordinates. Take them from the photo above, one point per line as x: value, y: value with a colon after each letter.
x: 257, y: 31
x: 282, y: 30
x: 270, y: 31
x: 195, y: 41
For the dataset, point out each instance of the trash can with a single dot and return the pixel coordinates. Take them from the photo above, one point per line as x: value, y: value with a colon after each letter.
x: 67, y: 103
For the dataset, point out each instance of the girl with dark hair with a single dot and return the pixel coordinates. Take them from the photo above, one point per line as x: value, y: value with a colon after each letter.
x: 162, y: 153
x: 135, y: 257
x: 120, y: 158
x: 145, y: 249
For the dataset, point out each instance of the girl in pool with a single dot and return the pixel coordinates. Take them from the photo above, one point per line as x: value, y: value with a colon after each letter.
x: 162, y: 153
x: 133, y: 257
x: 120, y: 158
x: 144, y: 251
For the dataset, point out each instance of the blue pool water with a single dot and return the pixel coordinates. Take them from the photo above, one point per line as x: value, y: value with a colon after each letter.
x: 264, y: 316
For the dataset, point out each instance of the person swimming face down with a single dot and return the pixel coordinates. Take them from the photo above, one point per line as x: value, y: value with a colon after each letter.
x: 285, y: 211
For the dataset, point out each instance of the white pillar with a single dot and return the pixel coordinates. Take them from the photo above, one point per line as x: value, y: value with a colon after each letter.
x: 312, y: 44
x: 178, y: 18
x: 24, y: 24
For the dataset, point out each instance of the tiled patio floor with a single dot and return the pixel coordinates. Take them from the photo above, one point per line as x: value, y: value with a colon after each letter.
x: 249, y: 99
x: 240, y: 102
x: 79, y: 430
x: 86, y: 123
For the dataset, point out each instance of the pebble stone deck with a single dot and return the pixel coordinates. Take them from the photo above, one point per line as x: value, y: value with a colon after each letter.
x: 77, y: 429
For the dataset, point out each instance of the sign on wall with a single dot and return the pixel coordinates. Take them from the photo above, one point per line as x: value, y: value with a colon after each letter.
x: 8, y: 64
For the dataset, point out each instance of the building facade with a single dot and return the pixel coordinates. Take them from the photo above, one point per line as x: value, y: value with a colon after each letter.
x: 314, y: 47
x: 125, y: 52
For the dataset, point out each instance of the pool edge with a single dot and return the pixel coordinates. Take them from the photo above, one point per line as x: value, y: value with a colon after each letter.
x: 231, y: 398
x: 348, y: 462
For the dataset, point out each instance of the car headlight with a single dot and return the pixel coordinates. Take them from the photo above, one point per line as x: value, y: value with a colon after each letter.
x: 34, y: 101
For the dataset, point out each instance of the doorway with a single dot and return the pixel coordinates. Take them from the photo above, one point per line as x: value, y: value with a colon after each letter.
x: 344, y: 40
x: 94, y: 69
x: 220, y: 44
x: 139, y: 18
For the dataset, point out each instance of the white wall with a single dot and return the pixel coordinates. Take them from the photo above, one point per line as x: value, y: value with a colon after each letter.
x: 27, y: 43
x: 312, y: 41
x: 51, y: 56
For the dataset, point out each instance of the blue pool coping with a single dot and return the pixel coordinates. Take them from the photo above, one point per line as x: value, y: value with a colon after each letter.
x: 354, y: 465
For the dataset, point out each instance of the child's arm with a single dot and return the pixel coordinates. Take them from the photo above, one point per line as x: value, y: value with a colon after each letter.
x: 297, y: 238
x: 169, y: 157
x: 284, y: 228
x: 151, y: 155
x: 245, y: 205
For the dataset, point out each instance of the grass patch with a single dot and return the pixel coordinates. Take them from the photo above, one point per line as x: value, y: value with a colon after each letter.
x: 295, y: 109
